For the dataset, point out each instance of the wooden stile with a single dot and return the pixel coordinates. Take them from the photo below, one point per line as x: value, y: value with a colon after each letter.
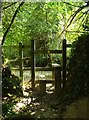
x: 55, y: 69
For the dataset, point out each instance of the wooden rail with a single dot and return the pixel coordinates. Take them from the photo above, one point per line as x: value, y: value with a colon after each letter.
x: 36, y: 68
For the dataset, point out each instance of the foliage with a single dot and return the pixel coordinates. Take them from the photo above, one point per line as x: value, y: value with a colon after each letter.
x: 21, y: 117
x: 78, y: 69
x: 43, y: 21
x: 47, y: 23
x: 86, y: 24
x: 7, y: 109
x: 42, y: 60
x: 10, y: 83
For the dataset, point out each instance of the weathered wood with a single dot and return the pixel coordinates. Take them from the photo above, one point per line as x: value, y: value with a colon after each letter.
x: 33, y: 64
x: 55, y: 51
x: 41, y: 51
x: 53, y: 71
x: 58, y: 80
x: 64, y: 63
x: 46, y: 51
x: 42, y: 85
x: 33, y: 68
x: 69, y: 45
x: 36, y: 68
x: 21, y: 61
x: 44, y: 68
x: 46, y: 81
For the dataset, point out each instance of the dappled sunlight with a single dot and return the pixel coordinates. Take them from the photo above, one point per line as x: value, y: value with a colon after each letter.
x: 50, y: 88
x: 21, y: 105
x: 38, y: 106
x: 45, y: 60
x: 18, y: 107
x: 25, y: 93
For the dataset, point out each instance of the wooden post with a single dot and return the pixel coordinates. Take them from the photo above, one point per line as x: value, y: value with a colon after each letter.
x: 33, y: 64
x: 64, y: 63
x: 21, y: 60
x: 0, y: 79
x: 58, y: 80
x: 42, y: 87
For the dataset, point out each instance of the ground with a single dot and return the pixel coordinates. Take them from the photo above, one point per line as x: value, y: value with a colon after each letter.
x: 48, y: 105
x: 78, y: 109
x: 40, y: 105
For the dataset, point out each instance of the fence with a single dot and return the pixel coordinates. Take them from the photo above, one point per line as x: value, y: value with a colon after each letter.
x: 56, y: 70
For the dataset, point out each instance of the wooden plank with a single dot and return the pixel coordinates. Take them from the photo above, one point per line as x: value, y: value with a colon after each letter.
x: 44, y: 68
x: 41, y: 51
x: 69, y: 45
x: 45, y: 81
x: 24, y: 68
x: 37, y: 68
x: 46, y: 51
x: 55, y: 51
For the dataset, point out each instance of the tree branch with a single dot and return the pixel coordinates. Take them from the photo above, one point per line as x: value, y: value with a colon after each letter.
x: 78, y: 31
x: 9, y: 5
x: 12, y: 20
x: 76, y: 12
x: 70, y: 4
x: 73, y: 16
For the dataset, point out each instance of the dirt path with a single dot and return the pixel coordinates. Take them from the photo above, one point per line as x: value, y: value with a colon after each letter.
x: 45, y: 106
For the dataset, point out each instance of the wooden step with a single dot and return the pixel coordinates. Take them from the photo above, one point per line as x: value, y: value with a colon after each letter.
x: 42, y: 85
